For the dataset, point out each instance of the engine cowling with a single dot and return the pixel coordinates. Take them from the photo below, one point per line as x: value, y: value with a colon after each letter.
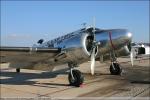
x: 124, y: 51
x: 78, y: 48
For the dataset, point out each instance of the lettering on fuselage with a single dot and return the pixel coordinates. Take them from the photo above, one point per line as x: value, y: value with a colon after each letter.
x: 60, y: 39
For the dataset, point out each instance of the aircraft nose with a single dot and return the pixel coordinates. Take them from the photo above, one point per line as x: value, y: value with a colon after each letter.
x: 120, y: 38
x: 129, y: 34
x: 128, y: 37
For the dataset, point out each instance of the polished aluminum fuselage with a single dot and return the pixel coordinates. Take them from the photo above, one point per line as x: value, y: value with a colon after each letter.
x: 74, y: 49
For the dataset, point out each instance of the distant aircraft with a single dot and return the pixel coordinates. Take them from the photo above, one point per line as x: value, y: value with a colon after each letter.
x: 77, y: 47
x: 140, y: 49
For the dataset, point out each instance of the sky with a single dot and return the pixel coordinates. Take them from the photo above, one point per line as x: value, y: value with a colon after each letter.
x: 23, y: 23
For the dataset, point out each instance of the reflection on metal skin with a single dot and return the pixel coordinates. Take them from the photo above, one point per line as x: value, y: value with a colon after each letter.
x: 112, y: 39
x: 78, y: 48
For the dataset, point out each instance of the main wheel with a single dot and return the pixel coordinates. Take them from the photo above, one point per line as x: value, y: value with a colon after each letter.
x: 77, y: 78
x: 18, y: 70
x: 116, y: 70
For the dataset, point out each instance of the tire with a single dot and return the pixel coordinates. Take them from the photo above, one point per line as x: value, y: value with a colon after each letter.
x: 117, y: 70
x: 78, y: 78
x: 18, y: 70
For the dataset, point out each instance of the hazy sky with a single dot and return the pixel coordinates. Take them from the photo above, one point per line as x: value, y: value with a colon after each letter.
x: 24, y: 22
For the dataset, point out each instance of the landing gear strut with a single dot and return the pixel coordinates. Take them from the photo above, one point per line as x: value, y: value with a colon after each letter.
x: 75, y: 77
x: 115, y: 68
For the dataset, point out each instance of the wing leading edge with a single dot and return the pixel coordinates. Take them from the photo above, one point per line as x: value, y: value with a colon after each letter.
x: 30, y: 49
x: 27, y: 54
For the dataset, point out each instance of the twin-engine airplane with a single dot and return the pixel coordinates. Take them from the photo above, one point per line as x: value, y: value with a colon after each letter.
x: 74, y: 48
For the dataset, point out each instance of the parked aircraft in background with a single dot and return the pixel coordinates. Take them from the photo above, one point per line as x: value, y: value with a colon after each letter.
x: 140, y: 49
x: 77, y: 47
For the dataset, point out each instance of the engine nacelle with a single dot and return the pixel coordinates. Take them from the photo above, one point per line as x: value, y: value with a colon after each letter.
x: 77, y: 48
x: 124, y: 51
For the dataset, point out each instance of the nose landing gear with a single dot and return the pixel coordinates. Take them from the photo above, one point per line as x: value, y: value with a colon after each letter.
x: 115, y: 69
x: 75, y: 77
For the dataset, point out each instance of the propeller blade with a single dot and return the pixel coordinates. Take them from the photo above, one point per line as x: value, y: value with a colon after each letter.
x: 93, y: 61
x: 94, y: 28
x: 93, y: 49
x: 131, y: 57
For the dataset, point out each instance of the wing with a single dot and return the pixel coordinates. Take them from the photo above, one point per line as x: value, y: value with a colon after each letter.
x: 27, y: 56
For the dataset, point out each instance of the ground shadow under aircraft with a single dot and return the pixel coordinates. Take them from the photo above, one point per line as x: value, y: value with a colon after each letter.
x: 23, y: 78
x: 135, y: 75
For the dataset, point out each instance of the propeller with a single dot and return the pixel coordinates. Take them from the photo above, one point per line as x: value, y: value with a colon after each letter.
x: 93, y: 61
x: 93, y: 49
x: 132, y: 57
